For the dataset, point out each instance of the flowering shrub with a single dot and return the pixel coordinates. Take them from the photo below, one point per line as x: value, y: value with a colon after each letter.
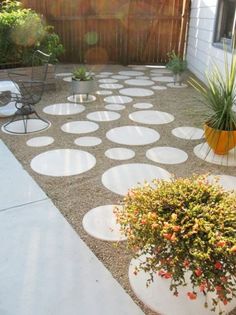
x: 184, y: 226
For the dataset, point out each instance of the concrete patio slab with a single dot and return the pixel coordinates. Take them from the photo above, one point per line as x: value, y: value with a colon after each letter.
x: 16, y: 186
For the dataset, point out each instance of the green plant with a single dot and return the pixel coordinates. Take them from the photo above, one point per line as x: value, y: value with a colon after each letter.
x: 220, y: 94
x: 184, y: 226
x: 22, y: 31
x: 81, y: 74
x: 176, y: 64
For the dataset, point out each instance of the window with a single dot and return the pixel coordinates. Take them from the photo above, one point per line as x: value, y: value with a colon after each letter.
x: 226, y: 19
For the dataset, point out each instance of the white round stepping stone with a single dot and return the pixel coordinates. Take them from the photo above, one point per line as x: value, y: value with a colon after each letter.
x: 101, y: 76
x: 111, y: 86
x: 204, y: 152
x: 104, y: 92
x: 161, y: 71
x: 8, y: 110
x: 133, y: 135
x: 88, y: 141
x: 67, y: 79
x: 115, y: 107
x: 159, y: 88
x: 139, y: 68
x: 137, y: 92
x: 120, y: 154
x: 151, y: 117
x: 103, y: 116
x: 142, y: 105
x: 139, y: 82
x: 101, y: 223
x: 131, y: 73
x: 33, y: 125
x: 163, y: 79
x: 226, y: 181
x: 81, y: 98
x: 120, y: 77
x: 120, y: 179
x: 63, y: 74
x: 64, y: 109
x: 188, y: 133
x: 108, y: 81
x: 40, y: 141
x: 177, y: 86
x: 158, y: 297
x: 118, y: 99
x: 167, y: 155
x: 142, y: 77
x: 79, y: 127
x: 63, y: 162
x: 106, y: 73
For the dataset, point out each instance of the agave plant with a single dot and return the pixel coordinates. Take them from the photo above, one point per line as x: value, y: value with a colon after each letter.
x: 220, y: 94
x: 81, y: 74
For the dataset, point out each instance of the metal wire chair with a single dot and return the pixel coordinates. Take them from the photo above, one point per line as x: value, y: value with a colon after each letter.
x: 30, y: 92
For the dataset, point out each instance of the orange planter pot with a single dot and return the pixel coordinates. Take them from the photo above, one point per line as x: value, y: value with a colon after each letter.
x: 220, y: 141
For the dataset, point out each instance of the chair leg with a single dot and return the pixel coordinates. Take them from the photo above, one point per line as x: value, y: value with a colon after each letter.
x: 25, y: 120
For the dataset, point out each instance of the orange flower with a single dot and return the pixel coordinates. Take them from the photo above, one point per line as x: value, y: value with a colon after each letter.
x: 225, y: 302
x: 198, y: 272
x: 218, y: 265
x: 176, y: 228
x: 218, y: 288
x: 192, y: 295
x: 144, y: 222
x: 233, y: 249
x: 167, y: 275
x: 221, y: 244
x: 202, y: 286
x: 168, y: 236
x: 186, y: 263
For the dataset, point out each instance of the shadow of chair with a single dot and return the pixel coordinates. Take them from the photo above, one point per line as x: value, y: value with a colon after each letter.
x: 30, y: 91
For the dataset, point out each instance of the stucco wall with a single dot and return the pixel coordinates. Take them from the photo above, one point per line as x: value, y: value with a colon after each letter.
x: 200, y: 49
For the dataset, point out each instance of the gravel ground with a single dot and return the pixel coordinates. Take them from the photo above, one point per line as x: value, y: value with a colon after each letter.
x: 76, y: 195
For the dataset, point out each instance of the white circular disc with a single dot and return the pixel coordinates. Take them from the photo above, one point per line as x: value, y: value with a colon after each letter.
x: 151, y: 117
x: 8, y: 109
x: 103, y: 116
x: 177, y: 86
x: 139, y: 68
x: 163, y: 79
x: 188, y: 133
x: 131, y: 73
x: 226, y: 181
x: 79, y: 127
x: 120, y: 179
x: 161, y: 300
x: 33, y: 125
x: 63, y: 74
x: 104, y: 92
x: 115, y: 107
x: 108, y: 81
x: 139, y: 82
x: 120, y: 154
x: 118, y: 99
x: 106, y: 73
x: 138, y: 92
x: 101, y: 223
x: 142, y: 105
x: 101, y: 76
x: 120, y: 77
x: 159, y: 88
x: 63, y: 162
x: 111, y: 86
x: 39, y: 141
x: 67, y: 79
x: 167, y: 155
x: 64, y: 109
x: 81, y: 98
x: 161, y: 71
x: 88, y: 141
x: 133, y: 135
x: 204, y: 152
x: 142, y: 77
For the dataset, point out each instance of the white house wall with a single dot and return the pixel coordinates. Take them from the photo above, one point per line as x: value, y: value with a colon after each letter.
x: 200, y: 49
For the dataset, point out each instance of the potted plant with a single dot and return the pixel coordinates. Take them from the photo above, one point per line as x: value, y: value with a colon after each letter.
x: 185, y: 226
x: 82, y: 82
x: 177, y: 65
x: 220, y: 97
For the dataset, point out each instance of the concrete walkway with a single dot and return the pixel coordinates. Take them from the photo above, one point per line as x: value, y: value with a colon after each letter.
x: 45, y: 268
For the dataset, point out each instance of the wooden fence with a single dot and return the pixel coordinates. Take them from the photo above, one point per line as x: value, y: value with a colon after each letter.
x: 117, y: 31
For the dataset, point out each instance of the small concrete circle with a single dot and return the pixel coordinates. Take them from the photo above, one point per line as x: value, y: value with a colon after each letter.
x: 40, y: 141
x: 81, y: 127
x: 136, y: 92
x: 103, y: 116
x: 120, y: 154
x: 188, y: 133
x: 166, y: 155
x: 88, y: 141
x: 64, y: 109
x: 118, y: 99
x: 150, y: 117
